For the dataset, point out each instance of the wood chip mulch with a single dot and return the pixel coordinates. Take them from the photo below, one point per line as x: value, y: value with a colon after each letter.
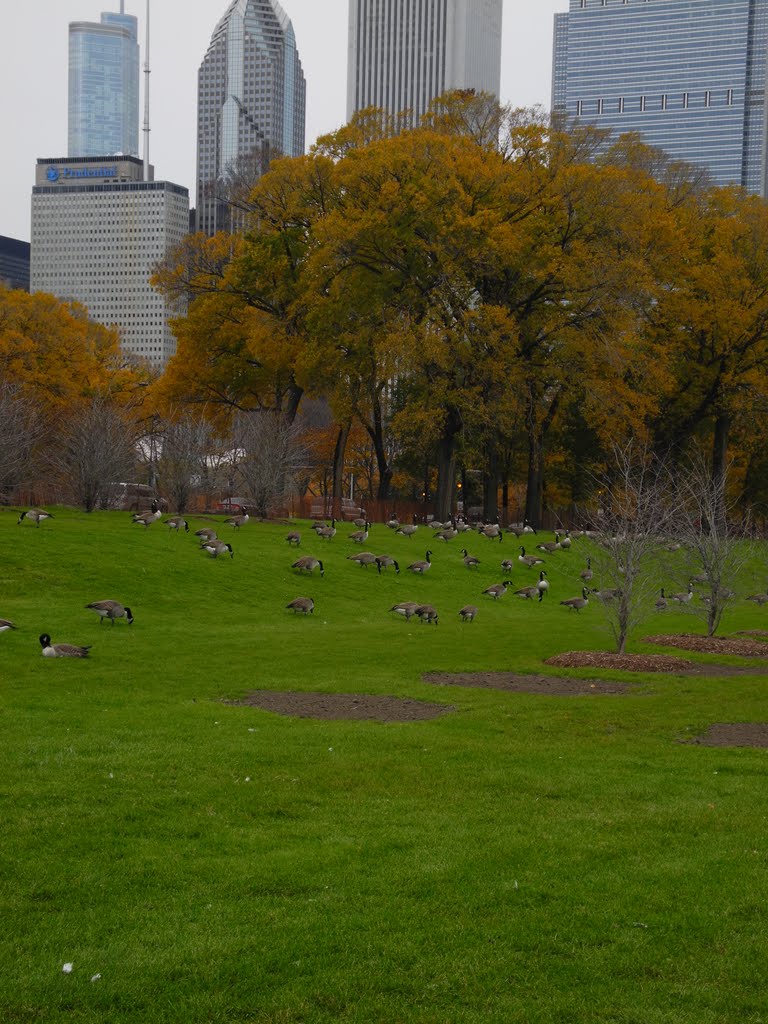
x: 343, y: 706
x: 734, y: 734
x: 710, y: 644
x: 620, y: 662
x: 547, y: 686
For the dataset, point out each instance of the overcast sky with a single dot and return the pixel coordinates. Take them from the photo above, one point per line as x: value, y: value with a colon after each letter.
x: 33, y: 78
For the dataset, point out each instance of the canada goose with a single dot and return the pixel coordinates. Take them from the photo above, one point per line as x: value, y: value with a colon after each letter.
x: 520, y: 528
x: 177, y: 523
x: 426, y: 613
x: 497, y: 590
x: 146, y: 518
x: 449, y: 533
x: 437, y: 525
x: 759, y: 599
x: 492, y: 531
x: 406, y: 608
x: 393, y: 523
x: 507, y: 565
x: 382, y: 561
x: 529, y: 560
x: 206, y: 533
x: 6, y: 625
x: 327, y: 532
x: 35, y: 515
x: 661, y: 602
x: 700, y: 578
x: 543, y: 585
x: 422, y: 567
x: 674, y: 546
x: 294, y: 538
x: 587, y: 574
x: 241, y: 520
x: 61, y: 650
x: 407, y: 531
x: 307, y: 563
x: 364, y: 558
x: 606, y: 594
x: 577, y: 603
x: 469, y: 560
x: 111, y: 610
x: 360, y: 536
x: 468, y: 613
x: 301, y: 604
x: 550, y: 546
x: 565, y: 542
x: 362, y: 523
x: 462, y: 526
x: 528, y: 593
x: 683, y: 598
x: 216, y: 548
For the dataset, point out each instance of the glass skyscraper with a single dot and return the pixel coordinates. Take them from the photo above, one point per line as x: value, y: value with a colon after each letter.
x: 251, y: 98
x: 404, y: 53
x: 688, y: 75
x: 104, y: 87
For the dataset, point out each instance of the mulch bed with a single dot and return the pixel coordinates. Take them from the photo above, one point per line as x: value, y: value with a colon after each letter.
x: 551, y: 686
x: 620, y: 662
x: 735, y: 734
x: 710, y: 644
x: 343, y: 706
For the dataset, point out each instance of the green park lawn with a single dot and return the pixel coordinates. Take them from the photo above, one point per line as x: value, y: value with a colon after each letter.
x: 521, y: 860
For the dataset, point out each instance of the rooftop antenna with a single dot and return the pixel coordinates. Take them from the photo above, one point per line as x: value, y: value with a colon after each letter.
x: 146, y: 98
x: 122, y: 6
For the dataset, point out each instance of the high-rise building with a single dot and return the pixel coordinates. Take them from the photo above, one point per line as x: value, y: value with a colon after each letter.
x: 98, y: 230
x: 251, y: 98
x: 688, y: 75
x: 404, y: 53
x: 14, y: 263
x: 104, y: 87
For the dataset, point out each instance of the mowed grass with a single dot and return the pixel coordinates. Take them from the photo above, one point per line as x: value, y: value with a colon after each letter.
x: 523, y: 859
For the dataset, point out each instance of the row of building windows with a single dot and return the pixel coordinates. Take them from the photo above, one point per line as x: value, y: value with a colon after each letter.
x: 645, y: 103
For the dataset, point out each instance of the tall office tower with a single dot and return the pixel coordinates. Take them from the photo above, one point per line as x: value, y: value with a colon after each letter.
x: 251, y: 98
x: 404, y: 53
x: 104, y: 87
x: 688, y: 75
x: 98, y: 230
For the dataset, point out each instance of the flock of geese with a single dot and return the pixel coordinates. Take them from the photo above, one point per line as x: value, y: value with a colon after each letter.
x: 210, y: 543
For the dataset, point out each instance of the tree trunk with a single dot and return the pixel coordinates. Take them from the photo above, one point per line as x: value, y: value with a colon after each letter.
x: 376, y: 433
x: 537, y: 433
x: 491, y: 485
x: 446, y: 465
x: 339, y: 453
x: 719, y: 467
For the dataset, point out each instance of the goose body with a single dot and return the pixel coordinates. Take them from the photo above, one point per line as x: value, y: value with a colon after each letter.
x: 449, y: 533
x: 528, y: 593
x: 468, y: 613
x: 146, y: 518
x: 497, y: 590
x: 393, y: 523
x: 305, y: 605
x: 469, y: 560
x: 529, y: 560
x: 206, y: 534
x: 241, y: 520
x: 307, y: 564
x: 565, y: 542
x: 111, y: 610
x: 35, y: 515
x: 407, y: 531
x: 294, y: 538
x: 364, y: 558
x: 492, y: 531
x: 61, y: 650
x: 217, y: 547
x: 683, y: 598
x: 507, y: 565
x: 543, y: 585
x: 6, y: 625
x: 177, y: 523
x: 759, y: 599
x: 360, y: 536
x: 426, y: 613
x: 607, y: 594
x: 382, y: 561
x: 661, y: 602
x: 405, y: 608
x: 519, y: 529
x: 587, y: 574
x: 577, y: 603
x: 421, y: 567
x: 327, y: 532
x: 550, y: 546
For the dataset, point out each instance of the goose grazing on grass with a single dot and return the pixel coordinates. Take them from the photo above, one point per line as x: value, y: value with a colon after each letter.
x: 469, y: 560
x: 294, y: 539
x: 422, y: 567
x: 364, y: 558
x: 35, y: 515
x: 497, y: 590
x: 305, y: 605
x: 393, y: 523
x: 407, y: 531
x: 206, y: 533
x: 405, y: 608
x: 448, y: 533
x: 307, y: 564
x: 382, y: 561
x: 759, y: 599
x: 327, y: 532
x: 111, y: 610
x: 492, y: 531
x: 543, y: 585
x: 519, y: 529
x: 216, y: 548
x: 577, y: 603
x: 587, y: 574
x: 507, y: 565
x: 528, y: 593
x: 685, y: 597
x: 360, y: 536
x: 661, y: 602
x: 468, y: 613
x: 241, y: 520
x: 426, y: 613
x: 146, y: 518
x: 529, y: 560
x: 61, y: 650
x: 607, y: 594
x: 550, y: 546
x: 565, y: 542
x: 362, y: 523
x: 177, y: 523
x: 6, y: 625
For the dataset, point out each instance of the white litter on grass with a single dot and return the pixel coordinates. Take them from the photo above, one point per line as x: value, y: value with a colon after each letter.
x: 330, y: 749
x: 247, y: 778
x: 111, y: 775
x: 67, y: 968
x: 96, y: 977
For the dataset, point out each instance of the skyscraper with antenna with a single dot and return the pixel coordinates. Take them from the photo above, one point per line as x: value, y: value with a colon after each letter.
x: 104, y: 86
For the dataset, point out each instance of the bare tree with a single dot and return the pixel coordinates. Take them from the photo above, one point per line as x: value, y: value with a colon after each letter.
x: 635, y: 510
x: 21, y: 428
x: 712, y: 537
x: 269, y: 457
x: 186, y: 458
x: 96, y: 450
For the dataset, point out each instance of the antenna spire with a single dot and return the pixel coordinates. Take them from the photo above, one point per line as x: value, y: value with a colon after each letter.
x: 146, y: 99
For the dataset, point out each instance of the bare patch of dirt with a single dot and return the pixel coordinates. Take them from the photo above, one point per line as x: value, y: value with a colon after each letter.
x: 620, y: 662
x: 761, y: 634
x: 710, y: 644
x: 734, y: 734
x: 552, y: 686
x: 343, y: 706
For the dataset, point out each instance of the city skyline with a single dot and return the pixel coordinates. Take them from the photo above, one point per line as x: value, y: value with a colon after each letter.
x: 35, y: 120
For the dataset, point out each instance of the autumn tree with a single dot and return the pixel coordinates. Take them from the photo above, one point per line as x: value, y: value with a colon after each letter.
x: 21, y: 429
